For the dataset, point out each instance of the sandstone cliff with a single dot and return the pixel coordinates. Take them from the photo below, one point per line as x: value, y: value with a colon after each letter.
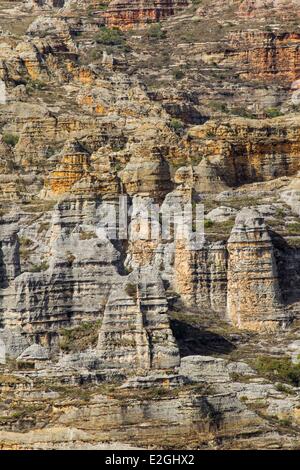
x: 122, y: 124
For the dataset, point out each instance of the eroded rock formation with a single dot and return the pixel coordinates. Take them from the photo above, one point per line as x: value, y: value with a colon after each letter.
x: 126, y: 14
x: 266, y: 55
x: 126, y: 322
x: 254, y: 298
x: 135, y: 331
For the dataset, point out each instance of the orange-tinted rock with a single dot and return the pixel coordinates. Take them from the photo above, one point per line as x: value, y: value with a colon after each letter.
x: 201, y: 275
x: 254, y: 298
x: 125, y: 14
x: 241, y: 151
x: 147, y: 174
x: 265, y: 55
x: 73, y: 167
x: 105, y: 170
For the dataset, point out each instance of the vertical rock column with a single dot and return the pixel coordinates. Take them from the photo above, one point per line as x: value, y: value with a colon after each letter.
x: 123, y: 340
x: 254, y: 297
x: 9, y: 251
x: 136, y: 332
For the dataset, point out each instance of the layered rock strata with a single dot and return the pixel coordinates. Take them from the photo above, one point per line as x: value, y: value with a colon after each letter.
x: 265, y: 55
x: 73, y: 167
x: 254, y: 298
x: 263, y: 7
x: 126, y: 14
x: 245, y: 150
x: 135, y: 331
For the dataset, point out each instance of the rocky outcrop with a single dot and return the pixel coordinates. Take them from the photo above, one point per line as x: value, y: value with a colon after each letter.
x: 291, y: 194
x: 9, y: 250
x: 33, y: 353
x: 125, y: 14
x: 75, y: 164
x: 36, y: 58
x: 70, y: 282
x: 263, y: 7
x: 147, y: 174
x: 109, y: 286
x: 254, y: 298
x: 246, y: 150
x: 201, y: 275
x: 123, y: 340
x: 265, y: 55
x: 135, y: 331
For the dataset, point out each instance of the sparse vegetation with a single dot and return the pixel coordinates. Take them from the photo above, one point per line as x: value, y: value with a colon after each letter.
x: 294, y: 228
x: 25, y: 365
x: 280, y: 387
x: 87, y: 235
x: 80, y: 337
x: 278, y: 368
x: 10, y: 139
x: 178, y: 74
x: 26, y: 246
x: 44, y: 227
x: 273, y: 113
x: 177, y: 125
x: 38, y: 268
x: 208, y: 223
x: 35, y: 85
x: 155, y: 32
x: 131, y: 290
x: 110, y: 37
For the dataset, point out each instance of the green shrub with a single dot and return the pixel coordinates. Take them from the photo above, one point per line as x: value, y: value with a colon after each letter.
x: 87, y: 235
x: 278, y: 369
x: 25, y: 247
x: 38, y: 268
x: 284, y: 389
x: 218, y: 106
x: 294, y: 228
x: 25, y: 242
x: 24, y: 365
x: 44, y: 227
x: 33, y: 85
x: 155, y: 32
x: 110, y: 37
x: 243, y: 112
x: 176, y: 125
x: 273, y: 112
x: 178, y: 74
x: 131, y: 290
x: 79, y: 338
x: 208, y: 223
x: 10, y: 139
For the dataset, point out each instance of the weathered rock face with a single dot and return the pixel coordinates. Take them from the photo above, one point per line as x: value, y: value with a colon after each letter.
x: 125, y: 14
x: 9, y: 250
x: 65, y: 285
x: 91, y: 116
x: 49, y: 3
x: 111, y: 418
x: 254, y: 297
x: 38, y: 58
x: 147, y: 174
x: 135, y: 330
x: 246, y: 150
x: 73, y: 167
x: 201, y: 275
x: 123, y: 339
x: 291, y: 194
x: 265, y: 55
x: 263, y: 7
